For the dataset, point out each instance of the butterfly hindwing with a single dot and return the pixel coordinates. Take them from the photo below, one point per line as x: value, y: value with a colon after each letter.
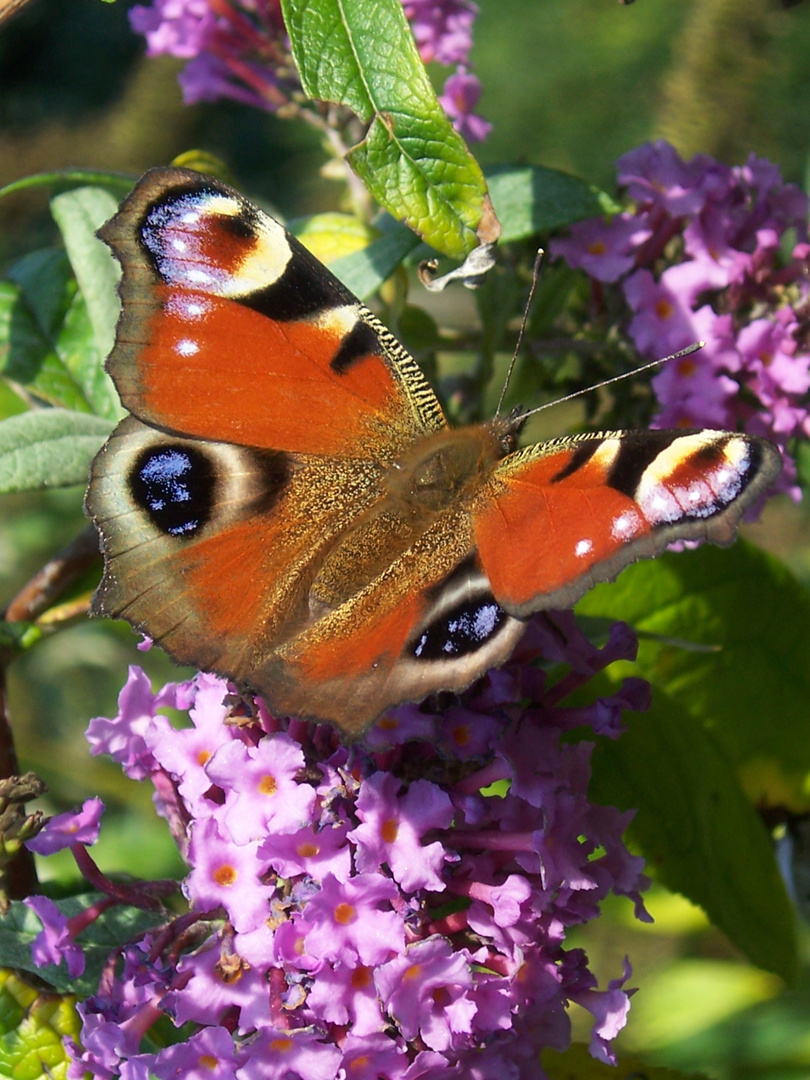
x: 210, y: 548
x: 426, y: 622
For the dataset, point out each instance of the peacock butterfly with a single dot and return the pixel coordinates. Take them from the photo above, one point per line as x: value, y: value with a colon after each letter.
x: 287, y: 506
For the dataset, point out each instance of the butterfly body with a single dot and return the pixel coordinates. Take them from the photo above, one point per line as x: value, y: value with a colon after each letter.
x: 288, y: 507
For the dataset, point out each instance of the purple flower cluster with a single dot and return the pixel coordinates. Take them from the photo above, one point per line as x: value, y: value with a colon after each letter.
x: 397, y: 907
x: 239, y: 49
x: 715, y: 254
x: 443, y: 32
x: 235, y: 48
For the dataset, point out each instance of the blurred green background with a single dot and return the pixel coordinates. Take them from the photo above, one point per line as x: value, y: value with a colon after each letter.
x: 567, y: 83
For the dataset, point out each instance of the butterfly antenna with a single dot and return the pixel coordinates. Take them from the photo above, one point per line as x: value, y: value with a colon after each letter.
x: 535, y: 278
x: 617, y: 378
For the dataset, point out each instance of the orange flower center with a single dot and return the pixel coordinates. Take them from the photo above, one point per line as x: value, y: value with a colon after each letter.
x: 225, y: 875
x: 390, y: 830
x: 361, y: 978
x: 268, y: 785
x: 344, y: 913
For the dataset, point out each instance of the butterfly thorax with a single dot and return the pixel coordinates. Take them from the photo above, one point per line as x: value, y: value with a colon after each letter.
x: 448, y: 466
x: 426, y: 491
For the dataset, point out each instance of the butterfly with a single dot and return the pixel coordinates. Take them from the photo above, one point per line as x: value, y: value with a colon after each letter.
x: 287, y: 506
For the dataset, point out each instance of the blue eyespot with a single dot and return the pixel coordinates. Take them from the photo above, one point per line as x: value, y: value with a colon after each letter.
x: 460, y: 631
x: 175, y: 486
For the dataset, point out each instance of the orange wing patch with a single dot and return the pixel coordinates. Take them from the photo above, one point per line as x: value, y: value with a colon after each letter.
x: 537, y: 537
x: 296, y: 400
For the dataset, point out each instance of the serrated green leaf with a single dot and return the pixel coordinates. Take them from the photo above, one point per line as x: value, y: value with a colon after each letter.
x: 33, y: 1025
x: 361, y: 53
x: 47, y: 344
x: 530, y: 199
x: 47, y: 448
x: 752, y: 687
x: 79, y: 213
x: 109, y: 931
x: 698, y: 830
x: 576, y: 1063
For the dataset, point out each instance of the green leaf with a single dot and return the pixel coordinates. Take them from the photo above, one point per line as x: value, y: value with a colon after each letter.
x: 47, y: 344
x: 361, y: 53
x: 11, y: 402
x: 698, y: 830
x: 118, y: 183
x: 750, y: 684
x: 362, y: 256
x: 47, y: 448
x: 364, y: 271
x: 33, y: 1025
x: 531, y: 199
x: 79, y: 213
x: 702, y: 1006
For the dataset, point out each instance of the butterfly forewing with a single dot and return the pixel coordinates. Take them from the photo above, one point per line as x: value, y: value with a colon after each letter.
x: 561, y: 516
x: 231, y: 330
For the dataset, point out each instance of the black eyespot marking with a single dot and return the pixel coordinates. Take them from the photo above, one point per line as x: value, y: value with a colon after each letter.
x: 167, y: 213
x: 710, y: 453
x: 359, y: 342
x: 175, y: 486
x: 636, y: 453
x: 242, y: 226
x: 460, y: 631
x: 304, y: 289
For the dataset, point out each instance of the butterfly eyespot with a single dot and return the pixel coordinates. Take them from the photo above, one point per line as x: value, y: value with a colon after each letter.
x: 174, y: 485
x: 461, y: 630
